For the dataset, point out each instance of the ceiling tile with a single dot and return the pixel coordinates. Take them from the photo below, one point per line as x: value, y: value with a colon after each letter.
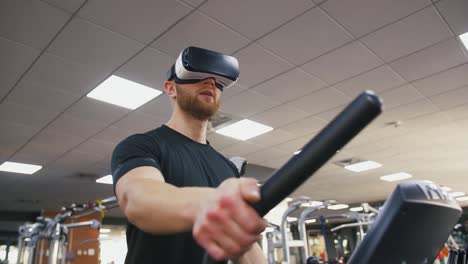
x: 279, y: 116
x: 149, y: 68
x: 13, y: 136
x: 36, y: 154
x: 457, y: 113
x: 16, y: 58
x: 363, y: 16
x: 275, y: 137
x: 258, y: 64
x: 343, y: 63
x: 430, y: 60
x: 243, y: 15
x: 74, y: 163
x: 231, y: 91
x: 159, y: 107
x: 306, y: 37
x: 408, y: 111
x: 194, y: 3
x: 408, y: 35
x: 293, y: 145
x: 454, y: 12
x: 330, y: 114
x: 275, y: 163
x: 142, y: 20
x: 75, y: 126
x: 400, y: 96
x: 451, y: 98
x: 266, y: 155
x: 377, y: 80
x: 309, y: 125
x: 139, y: 121
x: 444, y: 81
x: 246, y: 104
x: 219, y: 141
x: 89, y: 44
x: 114, y: 134
x: 320, y: 101
x: 198, y: 30
x: 50, y: 71
x: 241, y: 149
x: 35, y: 22
x: 23, y: 115
x: 96, y: 147
x: 289, y: 85
x: 58, y: 142
x: 95, y: 110
x: 68, y: 5
x: 43, y: 98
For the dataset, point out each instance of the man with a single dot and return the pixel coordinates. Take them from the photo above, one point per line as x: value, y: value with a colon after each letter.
x: 163, y: 179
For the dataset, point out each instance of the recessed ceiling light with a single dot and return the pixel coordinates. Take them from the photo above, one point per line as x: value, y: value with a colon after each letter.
x: 356, y: 209
x: 363, y: 166
x: 16, y: 167
x: 312, y: 204
x: 119, y: 91
x: 462, y: 199
x: 396, y: 177
x: 104, y: 230
x: 105, y: 179
x: 244, y: 129
x: 464, y: 38
x: 338, y: 206
x: 456, y: 194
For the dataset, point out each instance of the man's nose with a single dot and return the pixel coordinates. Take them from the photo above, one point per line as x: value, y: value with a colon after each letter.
x: 211, y: 81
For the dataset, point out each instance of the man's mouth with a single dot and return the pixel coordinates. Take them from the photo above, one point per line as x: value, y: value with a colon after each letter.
x: 207, y: 93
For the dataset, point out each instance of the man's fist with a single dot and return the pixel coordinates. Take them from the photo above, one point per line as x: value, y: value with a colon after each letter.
x: 226, y: 226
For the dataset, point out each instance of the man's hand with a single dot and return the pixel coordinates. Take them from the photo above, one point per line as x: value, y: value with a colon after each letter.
x: 226, y: 226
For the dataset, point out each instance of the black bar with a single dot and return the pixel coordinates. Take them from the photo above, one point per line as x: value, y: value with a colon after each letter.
x: 355, y: 117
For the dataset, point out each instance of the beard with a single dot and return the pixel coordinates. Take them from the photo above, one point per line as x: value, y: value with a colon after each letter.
x: 194, y: 106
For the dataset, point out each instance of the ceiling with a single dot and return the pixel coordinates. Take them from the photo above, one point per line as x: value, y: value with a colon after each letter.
x: 301, y: 62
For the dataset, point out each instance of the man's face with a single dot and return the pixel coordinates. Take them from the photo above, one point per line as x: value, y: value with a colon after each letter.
x: 200, y: 99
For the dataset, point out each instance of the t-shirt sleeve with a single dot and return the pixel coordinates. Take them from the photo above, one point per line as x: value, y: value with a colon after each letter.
x: 135, y: 151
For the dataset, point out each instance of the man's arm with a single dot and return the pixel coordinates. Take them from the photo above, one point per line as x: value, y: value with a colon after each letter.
x: 155, y: 206
x: 221, y: 220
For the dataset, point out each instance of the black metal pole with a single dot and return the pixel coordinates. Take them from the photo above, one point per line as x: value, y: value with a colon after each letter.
x: 355, y: 117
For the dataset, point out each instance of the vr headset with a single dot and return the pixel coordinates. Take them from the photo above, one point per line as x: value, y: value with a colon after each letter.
x: 196, y: 64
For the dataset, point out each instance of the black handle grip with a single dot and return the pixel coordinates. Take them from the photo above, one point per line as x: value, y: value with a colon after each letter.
x: 355, y: 117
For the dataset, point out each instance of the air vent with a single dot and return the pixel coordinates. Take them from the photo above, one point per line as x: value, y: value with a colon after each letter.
x: 346, y: 162
x: 85, y: 176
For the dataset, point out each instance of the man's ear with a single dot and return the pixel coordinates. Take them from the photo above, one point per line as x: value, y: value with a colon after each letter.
x: 170, y: 89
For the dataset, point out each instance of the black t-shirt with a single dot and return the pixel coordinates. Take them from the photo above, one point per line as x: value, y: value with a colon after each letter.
x: 182, y: 162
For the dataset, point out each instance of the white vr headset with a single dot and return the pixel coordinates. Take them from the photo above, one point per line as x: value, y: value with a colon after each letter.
x: 196, y: 64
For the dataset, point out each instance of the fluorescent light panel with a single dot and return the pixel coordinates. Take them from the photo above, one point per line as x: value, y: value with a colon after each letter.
x: 105, y: 179
x: 291, y: 219
x: 338, y: 206
x: 104, y: 230
x: 310, y: 221
x: 122, y: 92
x: 22, y: 168
x: 363, y: 166
x: 464, y: 38
x: 356, y: 209
x: 396, y: 177
x: 244, y: 129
